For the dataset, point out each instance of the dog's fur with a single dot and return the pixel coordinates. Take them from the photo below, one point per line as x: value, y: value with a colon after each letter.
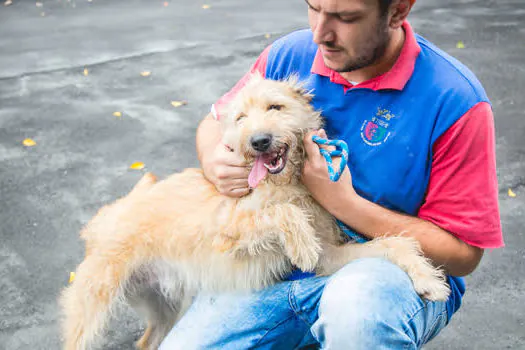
x: 167, y: 240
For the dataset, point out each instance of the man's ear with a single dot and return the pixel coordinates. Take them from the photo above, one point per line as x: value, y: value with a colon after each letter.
x: 398, y: 12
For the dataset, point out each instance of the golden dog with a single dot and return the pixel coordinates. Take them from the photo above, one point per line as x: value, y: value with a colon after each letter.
x: 165, y: 241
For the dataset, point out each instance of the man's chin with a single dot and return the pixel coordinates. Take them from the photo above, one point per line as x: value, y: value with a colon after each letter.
x: 346, y: 68
x: 339, y: 66
x: 333, y: 64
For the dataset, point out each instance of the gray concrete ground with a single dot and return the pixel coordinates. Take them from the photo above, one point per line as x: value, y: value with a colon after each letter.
x: 83, y: 152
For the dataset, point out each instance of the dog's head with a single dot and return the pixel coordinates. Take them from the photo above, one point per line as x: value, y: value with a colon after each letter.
x: 266, y: 123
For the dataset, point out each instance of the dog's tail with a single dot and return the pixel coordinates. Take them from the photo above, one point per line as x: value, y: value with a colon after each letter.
x: 145, y: 183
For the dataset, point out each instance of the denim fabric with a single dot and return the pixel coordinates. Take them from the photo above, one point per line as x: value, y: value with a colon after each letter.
x: 369, y: 304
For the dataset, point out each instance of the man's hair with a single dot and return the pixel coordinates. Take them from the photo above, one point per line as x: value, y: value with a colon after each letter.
x: 384, y: 5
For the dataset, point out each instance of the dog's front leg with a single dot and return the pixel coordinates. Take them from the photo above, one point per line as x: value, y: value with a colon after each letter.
x: 279, y: 227
x: 274, y: 228
x: 429, y: 281
x: 301, y: 241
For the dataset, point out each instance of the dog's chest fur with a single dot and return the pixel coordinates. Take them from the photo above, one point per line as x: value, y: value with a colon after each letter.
x: 239, y: 241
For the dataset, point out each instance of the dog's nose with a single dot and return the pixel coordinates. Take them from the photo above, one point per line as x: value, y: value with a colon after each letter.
x: 261, y: 142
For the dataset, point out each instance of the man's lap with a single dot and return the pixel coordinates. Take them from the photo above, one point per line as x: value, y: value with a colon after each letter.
x: 367, y: 303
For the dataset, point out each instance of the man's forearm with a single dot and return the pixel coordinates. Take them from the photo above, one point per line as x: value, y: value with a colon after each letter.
x: 208, y: 136
x: 372, y: 220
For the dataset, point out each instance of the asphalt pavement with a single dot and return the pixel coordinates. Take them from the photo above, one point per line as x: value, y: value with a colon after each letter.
x: 100, y: 85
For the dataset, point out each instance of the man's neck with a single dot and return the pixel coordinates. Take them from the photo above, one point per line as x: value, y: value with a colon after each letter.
x: 384, y: 64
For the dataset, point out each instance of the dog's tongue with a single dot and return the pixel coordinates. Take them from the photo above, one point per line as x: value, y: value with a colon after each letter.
x: 258, y: 172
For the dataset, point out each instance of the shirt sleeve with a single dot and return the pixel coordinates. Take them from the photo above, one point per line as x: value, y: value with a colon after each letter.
x: 259, y: 66
x: 462, y: 196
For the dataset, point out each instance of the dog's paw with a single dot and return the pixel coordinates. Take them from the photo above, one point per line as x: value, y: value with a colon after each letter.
x: 305, y: 259
x: 303, y: 250
x: 430, y: 282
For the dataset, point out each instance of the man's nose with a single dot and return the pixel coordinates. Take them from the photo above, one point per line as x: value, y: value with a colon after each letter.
x: 322, y: 31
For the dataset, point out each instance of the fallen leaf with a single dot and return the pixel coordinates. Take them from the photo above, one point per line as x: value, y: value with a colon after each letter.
x: 205, y: 7
x: 137, y: 166
x: 72, y: 276
x: 179, y: 103
x: 117, y: 114
x: 86, y: 72
x: 145, y: 73
x: 511, y: 193
x: 8, y: 2
x: 267, y: 35
x: 460, y: 45
x: 166, y: 4
x: 39, y: 4
x: 29, y: 142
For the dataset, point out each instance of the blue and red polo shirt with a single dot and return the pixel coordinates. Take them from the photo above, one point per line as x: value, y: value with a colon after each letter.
x: 421, y: 136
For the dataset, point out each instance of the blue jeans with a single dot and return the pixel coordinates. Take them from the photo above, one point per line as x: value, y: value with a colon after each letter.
x: 369, y: 304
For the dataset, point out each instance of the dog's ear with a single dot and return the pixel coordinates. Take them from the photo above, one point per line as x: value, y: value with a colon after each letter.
x: 255, y: 77
x: 299, y: 89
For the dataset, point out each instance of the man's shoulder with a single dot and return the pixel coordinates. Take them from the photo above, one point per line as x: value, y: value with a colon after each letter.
x: 296, y: 39
x: 291, y: 53
x: 447, y: 73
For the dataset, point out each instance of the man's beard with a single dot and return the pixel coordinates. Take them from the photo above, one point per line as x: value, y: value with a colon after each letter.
x: 371, y: 53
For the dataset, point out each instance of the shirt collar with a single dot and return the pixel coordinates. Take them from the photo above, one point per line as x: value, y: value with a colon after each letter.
x: 395, y: 79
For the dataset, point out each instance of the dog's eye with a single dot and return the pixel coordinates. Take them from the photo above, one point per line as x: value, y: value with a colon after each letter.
x: 240, y: 117
x: 275, y: 107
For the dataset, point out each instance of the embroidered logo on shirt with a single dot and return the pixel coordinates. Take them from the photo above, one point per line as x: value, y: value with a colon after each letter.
x: 375, y: 131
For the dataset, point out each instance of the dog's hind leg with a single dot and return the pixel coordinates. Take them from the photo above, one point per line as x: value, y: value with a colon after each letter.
x: 160, y: 314
x: 160, y: 304
x: 161, y: 321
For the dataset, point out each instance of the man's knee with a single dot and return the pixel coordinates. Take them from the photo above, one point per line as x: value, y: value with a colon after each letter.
x: 366, y: 298
x: 366, y: 283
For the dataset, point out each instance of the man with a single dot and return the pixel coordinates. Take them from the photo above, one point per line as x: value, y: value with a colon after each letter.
x: 422, y: 163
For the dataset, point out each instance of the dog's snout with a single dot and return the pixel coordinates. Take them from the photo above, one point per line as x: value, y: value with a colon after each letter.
x: 261, y: 142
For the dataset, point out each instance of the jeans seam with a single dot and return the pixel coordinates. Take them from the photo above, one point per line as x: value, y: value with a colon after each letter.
x: 411, y: 318
x: 271, y: 329
x: 431, y: 329
x: 295, y: 308
x: 291, y: 299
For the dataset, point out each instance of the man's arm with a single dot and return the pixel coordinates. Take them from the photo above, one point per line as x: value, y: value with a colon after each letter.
x: 460, y: 215
x: 457, y: 258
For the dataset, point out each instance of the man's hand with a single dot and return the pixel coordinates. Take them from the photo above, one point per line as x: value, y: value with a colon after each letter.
x: 227, y: 171
x: 223, y: 168
x: 315, y: 173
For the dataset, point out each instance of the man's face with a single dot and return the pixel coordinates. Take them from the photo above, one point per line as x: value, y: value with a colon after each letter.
x: 351, y: 34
